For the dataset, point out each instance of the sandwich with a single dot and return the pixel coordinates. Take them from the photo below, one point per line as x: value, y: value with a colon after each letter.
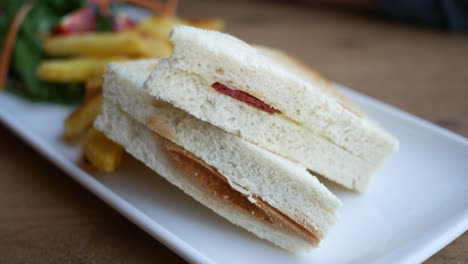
x: 272, y: 197
x: 272, y: 101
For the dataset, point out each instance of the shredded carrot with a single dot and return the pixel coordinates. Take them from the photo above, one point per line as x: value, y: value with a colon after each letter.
x: 10, y: 41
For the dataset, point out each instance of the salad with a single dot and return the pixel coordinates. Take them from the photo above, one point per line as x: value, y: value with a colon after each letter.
x: 56, y: 51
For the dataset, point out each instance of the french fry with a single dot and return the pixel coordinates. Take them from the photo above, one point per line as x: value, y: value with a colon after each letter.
x: 156, y: 47
x: 82, y: 118
x: 97, y: 44
x: 161, y: 26
x: 211, y: 24
x: 93, y: 86
x: 75, y: 69
x: 104, y: 154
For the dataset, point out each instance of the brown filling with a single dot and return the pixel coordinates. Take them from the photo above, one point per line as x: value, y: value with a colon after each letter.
x: 217, y: 184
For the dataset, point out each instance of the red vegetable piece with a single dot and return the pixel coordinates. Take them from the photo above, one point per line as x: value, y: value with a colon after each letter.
x: 122, y: 22
x: 244, y: 97
x: 80, y: 21
x: 10, y: 40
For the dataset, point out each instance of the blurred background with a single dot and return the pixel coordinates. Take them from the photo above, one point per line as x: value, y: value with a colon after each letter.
x: 410, y: 54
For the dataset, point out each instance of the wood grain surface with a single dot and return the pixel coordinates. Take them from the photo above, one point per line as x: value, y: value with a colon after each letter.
x: 45, y: 217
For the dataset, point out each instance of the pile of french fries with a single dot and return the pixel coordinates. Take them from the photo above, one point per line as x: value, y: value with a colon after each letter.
x: 87, y: 57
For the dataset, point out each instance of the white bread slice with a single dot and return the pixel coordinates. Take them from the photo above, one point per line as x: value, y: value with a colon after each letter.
x: 204, y: 57
x: 273, y: 132
x: 220, y: 57
x: 141, y: 143
x: 248, y: 168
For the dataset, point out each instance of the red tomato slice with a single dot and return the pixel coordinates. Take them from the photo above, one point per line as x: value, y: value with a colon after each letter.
x: 80, y: 21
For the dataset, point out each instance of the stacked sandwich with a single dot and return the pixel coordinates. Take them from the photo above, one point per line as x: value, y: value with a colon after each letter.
x: 243, y: 130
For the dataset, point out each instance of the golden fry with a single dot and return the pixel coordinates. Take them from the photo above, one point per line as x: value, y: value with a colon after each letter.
x: 97, y: 44
x: 161, y: 26
x: 104, y: 154
x: 211, y: 24
x: 82, y: 118
x: 74, y: 70
x: 156, y: 47
x: 93, y: 86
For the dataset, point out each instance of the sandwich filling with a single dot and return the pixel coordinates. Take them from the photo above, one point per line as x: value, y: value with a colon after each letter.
x: 244, y: 97
x: 218, y: 186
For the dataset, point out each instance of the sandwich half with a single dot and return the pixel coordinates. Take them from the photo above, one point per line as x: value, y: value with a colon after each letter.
x: 272, y: 101
x: 266, y: 194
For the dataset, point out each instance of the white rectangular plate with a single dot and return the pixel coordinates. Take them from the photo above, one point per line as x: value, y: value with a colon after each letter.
x: 416, y: 205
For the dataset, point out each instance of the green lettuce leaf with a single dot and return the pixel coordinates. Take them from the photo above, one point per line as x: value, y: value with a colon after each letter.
x: 27, y: 52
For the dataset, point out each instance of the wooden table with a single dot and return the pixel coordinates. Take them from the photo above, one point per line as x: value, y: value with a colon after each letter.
x: 46, y: 217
